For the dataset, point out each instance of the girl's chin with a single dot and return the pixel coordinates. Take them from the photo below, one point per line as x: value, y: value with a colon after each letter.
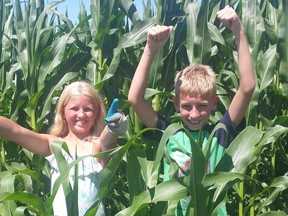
x: 81, y: 133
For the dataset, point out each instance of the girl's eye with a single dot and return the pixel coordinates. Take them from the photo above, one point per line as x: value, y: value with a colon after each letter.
x: 88, y: 110
x: 73, y: 108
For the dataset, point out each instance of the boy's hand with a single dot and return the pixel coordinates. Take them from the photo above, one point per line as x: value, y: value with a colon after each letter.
x: 115, y: 120
x: 230, y: 19
x: 157, y: 36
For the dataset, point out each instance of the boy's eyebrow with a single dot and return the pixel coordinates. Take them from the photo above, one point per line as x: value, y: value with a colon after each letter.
x: 222, y: 94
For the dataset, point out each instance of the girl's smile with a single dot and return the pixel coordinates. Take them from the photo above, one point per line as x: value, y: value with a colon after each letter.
x: 80, y: 115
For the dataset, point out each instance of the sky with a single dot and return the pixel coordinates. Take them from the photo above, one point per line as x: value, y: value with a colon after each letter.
x: 72, y: 6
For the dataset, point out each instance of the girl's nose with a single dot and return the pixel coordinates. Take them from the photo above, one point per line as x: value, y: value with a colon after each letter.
x: 80, y: 113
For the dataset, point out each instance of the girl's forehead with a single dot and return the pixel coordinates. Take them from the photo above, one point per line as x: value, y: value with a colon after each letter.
x: 80, y: 99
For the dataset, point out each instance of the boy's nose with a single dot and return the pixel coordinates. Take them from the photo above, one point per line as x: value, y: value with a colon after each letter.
x: 194, y: 114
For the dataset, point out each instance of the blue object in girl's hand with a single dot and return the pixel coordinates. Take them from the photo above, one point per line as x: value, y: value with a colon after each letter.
x: 115, y: 120
x: 112, y: 110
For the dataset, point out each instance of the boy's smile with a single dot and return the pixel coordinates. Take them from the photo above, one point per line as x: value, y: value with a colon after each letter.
x: 195, y: 110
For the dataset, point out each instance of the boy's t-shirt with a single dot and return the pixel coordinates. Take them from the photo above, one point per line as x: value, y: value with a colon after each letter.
x: 179, y: 150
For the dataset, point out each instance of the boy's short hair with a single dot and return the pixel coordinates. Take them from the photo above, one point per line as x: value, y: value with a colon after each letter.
x: 194, y: 80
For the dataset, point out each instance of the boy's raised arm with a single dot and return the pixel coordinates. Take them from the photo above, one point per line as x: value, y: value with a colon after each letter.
x: 247, y: 81
x: 157, y: 36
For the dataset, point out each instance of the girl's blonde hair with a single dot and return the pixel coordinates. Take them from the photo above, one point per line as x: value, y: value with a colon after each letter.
x: 195, y: 79
x: 60, y: 127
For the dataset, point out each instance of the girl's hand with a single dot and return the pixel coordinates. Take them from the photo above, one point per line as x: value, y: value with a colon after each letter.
x: 115, y: 120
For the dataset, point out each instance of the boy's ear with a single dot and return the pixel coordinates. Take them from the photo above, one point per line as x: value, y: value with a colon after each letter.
x: 176, y: 103
x: 215, y: 102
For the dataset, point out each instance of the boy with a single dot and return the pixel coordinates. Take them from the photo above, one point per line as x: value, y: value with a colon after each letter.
x: 195, y: 96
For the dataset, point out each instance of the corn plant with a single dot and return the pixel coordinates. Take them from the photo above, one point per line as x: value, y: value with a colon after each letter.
x: 42, y: 50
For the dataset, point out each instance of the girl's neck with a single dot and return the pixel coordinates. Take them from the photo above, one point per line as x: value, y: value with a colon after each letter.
x: 74, y: 138
x: 83, y: 145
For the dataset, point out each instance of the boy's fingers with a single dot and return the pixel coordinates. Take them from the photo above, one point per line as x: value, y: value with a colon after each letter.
x: 160, y: 32
x: 224, y: 11
x: 227, y: 16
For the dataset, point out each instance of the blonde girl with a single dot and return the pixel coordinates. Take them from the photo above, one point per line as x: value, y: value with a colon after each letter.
x: 79, y: 121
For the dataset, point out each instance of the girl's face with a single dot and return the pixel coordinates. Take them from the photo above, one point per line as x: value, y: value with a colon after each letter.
x: 80, y: 115
x: 195, y: 110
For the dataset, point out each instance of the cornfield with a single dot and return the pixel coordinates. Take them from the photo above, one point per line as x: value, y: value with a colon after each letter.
x: 42, y: 51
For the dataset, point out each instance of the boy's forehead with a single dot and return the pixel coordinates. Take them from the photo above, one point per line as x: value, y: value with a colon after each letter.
x: 207, y: 96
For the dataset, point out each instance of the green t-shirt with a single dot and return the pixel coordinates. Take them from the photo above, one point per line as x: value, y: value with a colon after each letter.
x: 179, y: 150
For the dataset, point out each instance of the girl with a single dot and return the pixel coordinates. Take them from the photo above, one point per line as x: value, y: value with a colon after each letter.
x: 79, y: 121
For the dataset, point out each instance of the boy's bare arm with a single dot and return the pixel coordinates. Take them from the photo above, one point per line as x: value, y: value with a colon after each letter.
x: 247, y: 81
x: 157, y: 36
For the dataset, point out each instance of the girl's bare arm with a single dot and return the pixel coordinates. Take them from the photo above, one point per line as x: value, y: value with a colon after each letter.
x: 35, y: 142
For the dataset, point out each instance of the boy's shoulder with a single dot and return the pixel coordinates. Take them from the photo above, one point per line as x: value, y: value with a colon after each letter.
x: 224, y: 135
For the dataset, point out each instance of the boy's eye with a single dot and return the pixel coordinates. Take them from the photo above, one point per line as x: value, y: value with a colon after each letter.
x: 186, y: 106
x: 202, y: 106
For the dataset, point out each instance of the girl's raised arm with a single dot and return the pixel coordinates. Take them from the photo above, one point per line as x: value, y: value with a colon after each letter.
x: 32, y: 141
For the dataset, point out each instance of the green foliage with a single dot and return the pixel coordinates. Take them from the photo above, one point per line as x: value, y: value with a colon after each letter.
x: 42, y: 51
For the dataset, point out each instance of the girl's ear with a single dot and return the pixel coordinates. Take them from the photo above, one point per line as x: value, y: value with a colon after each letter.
x: 176, y: 104
x: 63, y: 113
x: 97, y: 111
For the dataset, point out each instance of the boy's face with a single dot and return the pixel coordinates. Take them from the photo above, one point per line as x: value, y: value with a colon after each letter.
x: 195, y: 110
